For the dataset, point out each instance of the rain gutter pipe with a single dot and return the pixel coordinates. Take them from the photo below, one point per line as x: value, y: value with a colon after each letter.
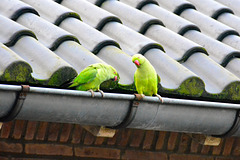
x: 118, y: 110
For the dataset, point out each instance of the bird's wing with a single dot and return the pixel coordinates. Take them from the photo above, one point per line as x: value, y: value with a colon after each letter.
x: 86, y: 76
x: 135, y: 78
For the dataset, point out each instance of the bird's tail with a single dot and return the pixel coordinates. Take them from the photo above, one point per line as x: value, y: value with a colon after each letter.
x: 72, y: 85
x: 68, y: 84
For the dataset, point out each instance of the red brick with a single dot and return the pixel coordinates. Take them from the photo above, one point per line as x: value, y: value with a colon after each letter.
x: 66, y: 131
x: 3, y: 158
x: 89, y: 139
x: 31, y: 130
x: 99, y: 140
x: 161, y: 139
x: 228, y: 146
x: 125, y: 136
x: 48, y: 149
x: 194, y: 146
x: 236, y: 147
x: 11, y: 147
x: 53, y: 131
x: 29, y: 159
x: 95, y: 152
x: 144, y: 155
x: 18, y: 129
x: 172, y: 141
x: 226, y: 158
x: 184, y: 143
x: 112, y: 141
x: 148, y: 140
x: 218, y: 149
x: 137, y: 138
x: 205, y: 149
x: 6, y: 129
x: 77, y: 133
x: 41, y: 131
x: 189, y: 157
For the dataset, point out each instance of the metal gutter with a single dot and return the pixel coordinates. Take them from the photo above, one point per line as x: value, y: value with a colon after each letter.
x: 121, y: 110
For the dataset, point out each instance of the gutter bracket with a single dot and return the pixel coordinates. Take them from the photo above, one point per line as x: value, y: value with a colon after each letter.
x: 17, y: 106
x: 129, y: 116
x: 109, y: 131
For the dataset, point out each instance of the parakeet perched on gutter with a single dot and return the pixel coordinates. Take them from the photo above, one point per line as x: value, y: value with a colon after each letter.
x: 145, y: 78
x: 92, y: 76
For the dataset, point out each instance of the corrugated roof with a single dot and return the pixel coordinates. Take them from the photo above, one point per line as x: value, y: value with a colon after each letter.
x: 194, y: 48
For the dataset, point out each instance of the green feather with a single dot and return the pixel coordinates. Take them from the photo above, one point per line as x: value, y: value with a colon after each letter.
x: 145, y: 78
x: 92, y: 77
x: 86, y: 76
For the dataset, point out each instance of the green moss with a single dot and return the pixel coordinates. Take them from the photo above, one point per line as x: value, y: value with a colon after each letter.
x: 61, y: 76
x: 130, y: 87
x: 17, y: 72
x: 230, y: 93
x: 193, y: 87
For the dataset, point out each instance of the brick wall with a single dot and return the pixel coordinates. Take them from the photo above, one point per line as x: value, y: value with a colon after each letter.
x: 25, y: 140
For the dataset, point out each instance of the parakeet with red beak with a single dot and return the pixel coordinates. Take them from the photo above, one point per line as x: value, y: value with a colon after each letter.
x: 92, y: 76
x: 145, y: 78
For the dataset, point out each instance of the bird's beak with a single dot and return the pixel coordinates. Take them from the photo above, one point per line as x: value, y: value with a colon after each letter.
x: 137, y: 62
x: 114, y: 79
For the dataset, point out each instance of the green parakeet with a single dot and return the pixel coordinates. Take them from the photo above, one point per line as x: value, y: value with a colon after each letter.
x: 92, y: 76
x: 145, y: 78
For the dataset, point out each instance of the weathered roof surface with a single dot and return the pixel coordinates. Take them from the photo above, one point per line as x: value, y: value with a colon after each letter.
x: 195, y: 49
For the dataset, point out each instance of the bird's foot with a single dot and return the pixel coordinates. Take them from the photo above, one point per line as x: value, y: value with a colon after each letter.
x: 139, y: 96
x: 90, y: 90
x: 102, y: 93
x: 160, y: 98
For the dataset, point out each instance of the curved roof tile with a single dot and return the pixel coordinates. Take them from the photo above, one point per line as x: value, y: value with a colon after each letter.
x: 211, y: 8
x: 96, y: 19
x: 60, y: 13
x: 14, y: 9
x: 11, y: 32
x: 215, y: 77
x: 10, y: 64
x: 219, y: 12
x: 233, y: 4
x: 47, y: 33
